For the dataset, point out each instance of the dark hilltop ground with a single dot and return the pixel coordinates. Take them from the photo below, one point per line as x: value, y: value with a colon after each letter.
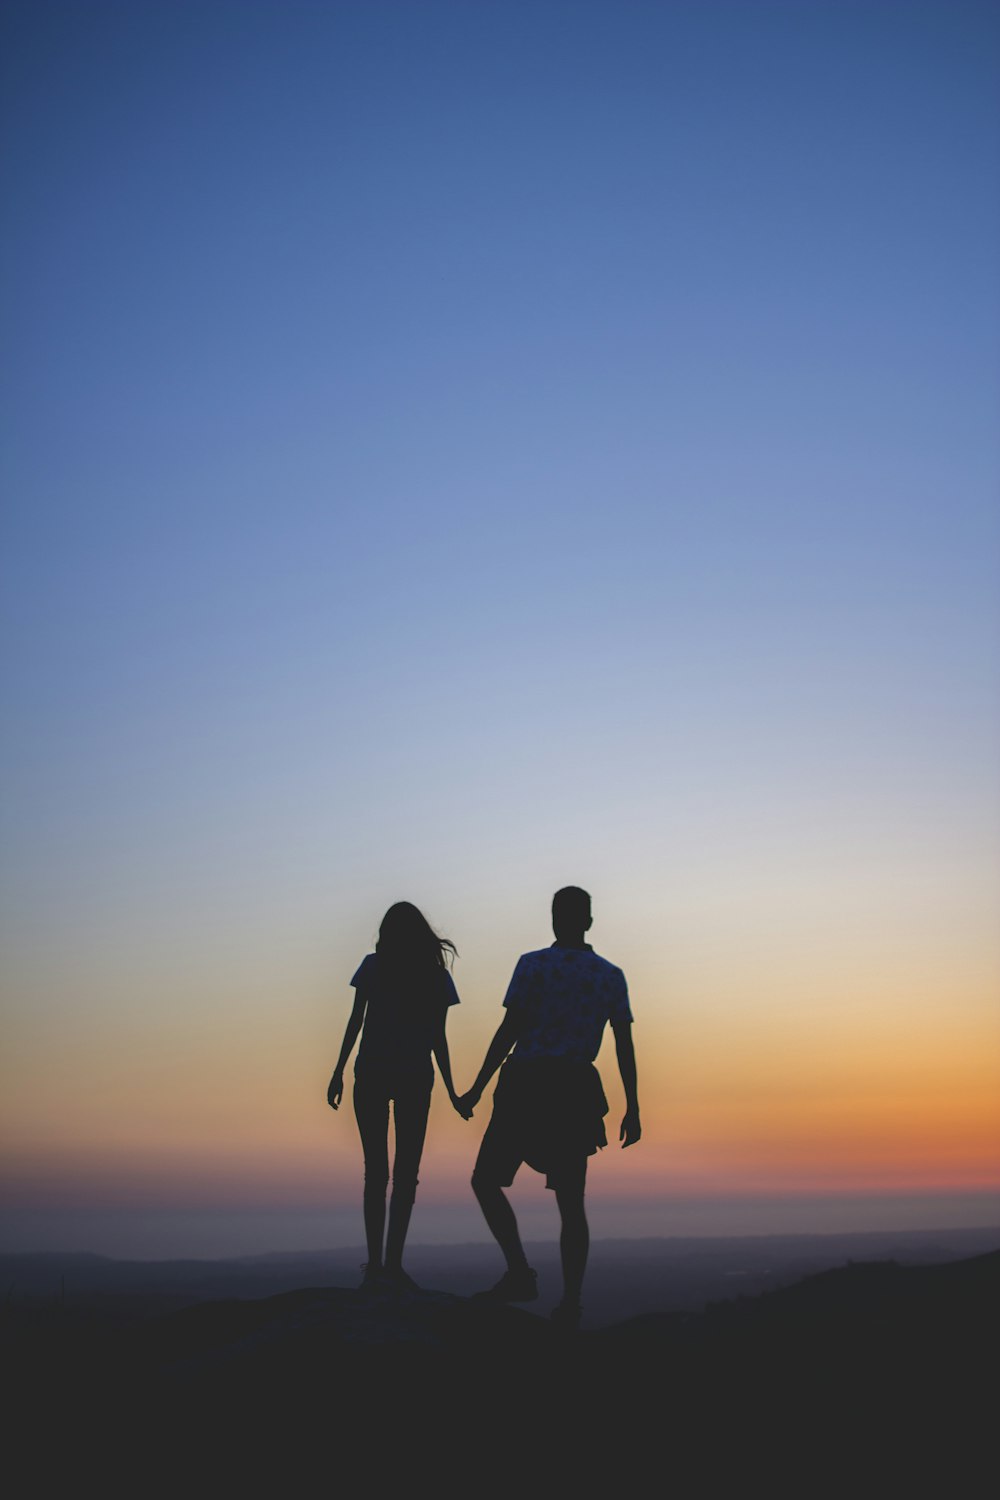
x: 871, y: 1379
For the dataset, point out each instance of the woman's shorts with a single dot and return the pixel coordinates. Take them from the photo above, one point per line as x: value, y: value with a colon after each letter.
x: 404, y: 1083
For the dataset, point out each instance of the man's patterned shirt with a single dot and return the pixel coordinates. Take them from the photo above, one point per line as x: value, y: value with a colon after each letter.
x: 563, y: 998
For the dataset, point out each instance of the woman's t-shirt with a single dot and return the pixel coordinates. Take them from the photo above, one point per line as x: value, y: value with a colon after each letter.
x: 402, y: 1012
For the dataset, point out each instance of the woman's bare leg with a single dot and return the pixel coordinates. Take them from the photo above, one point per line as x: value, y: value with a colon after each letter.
x: 410, y: 1112
x: 371, y: 1108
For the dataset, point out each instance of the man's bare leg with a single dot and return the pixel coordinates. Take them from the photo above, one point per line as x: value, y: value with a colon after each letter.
x: 574, y: 1242
x: 501, y: 1222
x: 519, y: 1283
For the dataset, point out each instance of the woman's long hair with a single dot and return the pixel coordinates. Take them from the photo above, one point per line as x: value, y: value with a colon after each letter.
x: 407, y: 941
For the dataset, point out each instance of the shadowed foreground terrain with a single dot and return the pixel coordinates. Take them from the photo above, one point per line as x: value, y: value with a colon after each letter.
x: 859, y: 1380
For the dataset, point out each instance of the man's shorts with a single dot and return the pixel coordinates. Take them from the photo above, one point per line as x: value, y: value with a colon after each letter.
x: 548, y: 1112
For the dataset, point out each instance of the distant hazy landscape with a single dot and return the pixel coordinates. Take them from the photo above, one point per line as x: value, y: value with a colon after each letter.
x: 626, y: 1277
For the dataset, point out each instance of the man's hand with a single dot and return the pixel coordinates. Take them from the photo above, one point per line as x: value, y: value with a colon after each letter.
x: 466, y: 1103
x: 631, y: 1130
x: 335, y: 1092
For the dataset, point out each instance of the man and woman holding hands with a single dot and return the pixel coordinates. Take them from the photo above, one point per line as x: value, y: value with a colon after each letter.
x: 548, y: 1105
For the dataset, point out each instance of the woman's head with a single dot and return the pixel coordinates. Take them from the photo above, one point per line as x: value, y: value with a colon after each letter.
x: 406, y: 936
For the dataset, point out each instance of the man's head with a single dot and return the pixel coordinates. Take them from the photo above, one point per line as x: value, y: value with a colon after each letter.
x: 571, y: 916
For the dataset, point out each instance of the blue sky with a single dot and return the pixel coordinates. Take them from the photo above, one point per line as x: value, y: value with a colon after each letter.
x: 452, y: 449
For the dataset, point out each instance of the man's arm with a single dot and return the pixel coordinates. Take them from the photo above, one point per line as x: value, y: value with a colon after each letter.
x: 503, y: 1040
x: 631, y: 1128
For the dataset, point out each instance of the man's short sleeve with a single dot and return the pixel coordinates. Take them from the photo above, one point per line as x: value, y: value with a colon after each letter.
x: 620, y: 1008
x: 516, y: 990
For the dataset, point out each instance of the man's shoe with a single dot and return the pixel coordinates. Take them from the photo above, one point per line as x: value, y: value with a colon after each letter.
x: 513, y: 1286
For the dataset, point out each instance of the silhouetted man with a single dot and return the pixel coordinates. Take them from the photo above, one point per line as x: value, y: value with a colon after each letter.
x: 548, y: 1105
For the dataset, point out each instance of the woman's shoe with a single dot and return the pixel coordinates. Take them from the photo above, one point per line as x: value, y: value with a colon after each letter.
x: 398, y: 1280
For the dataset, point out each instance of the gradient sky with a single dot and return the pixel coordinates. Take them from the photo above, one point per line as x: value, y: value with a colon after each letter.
x: 452, y: 450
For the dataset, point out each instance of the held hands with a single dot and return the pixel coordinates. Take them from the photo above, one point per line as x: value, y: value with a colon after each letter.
x: 463, y: 1104
x: 631, y: 1130
x: 466, y: 1103
x: 335, y: 1092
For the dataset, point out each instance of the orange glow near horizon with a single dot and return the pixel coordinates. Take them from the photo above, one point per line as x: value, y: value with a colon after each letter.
x: 858, y: 1099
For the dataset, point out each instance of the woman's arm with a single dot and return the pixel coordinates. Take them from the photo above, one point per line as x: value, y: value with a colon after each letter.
x: 443, y: 1058
x: 335, y: 1092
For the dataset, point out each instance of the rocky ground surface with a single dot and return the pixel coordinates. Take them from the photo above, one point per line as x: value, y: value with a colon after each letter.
x: 875, y: 1377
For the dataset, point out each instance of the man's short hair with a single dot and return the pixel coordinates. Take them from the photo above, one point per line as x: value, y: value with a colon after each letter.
x: 571, y: 906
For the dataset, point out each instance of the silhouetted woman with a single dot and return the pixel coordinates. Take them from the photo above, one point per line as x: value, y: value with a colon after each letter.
x: 402, y: 994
